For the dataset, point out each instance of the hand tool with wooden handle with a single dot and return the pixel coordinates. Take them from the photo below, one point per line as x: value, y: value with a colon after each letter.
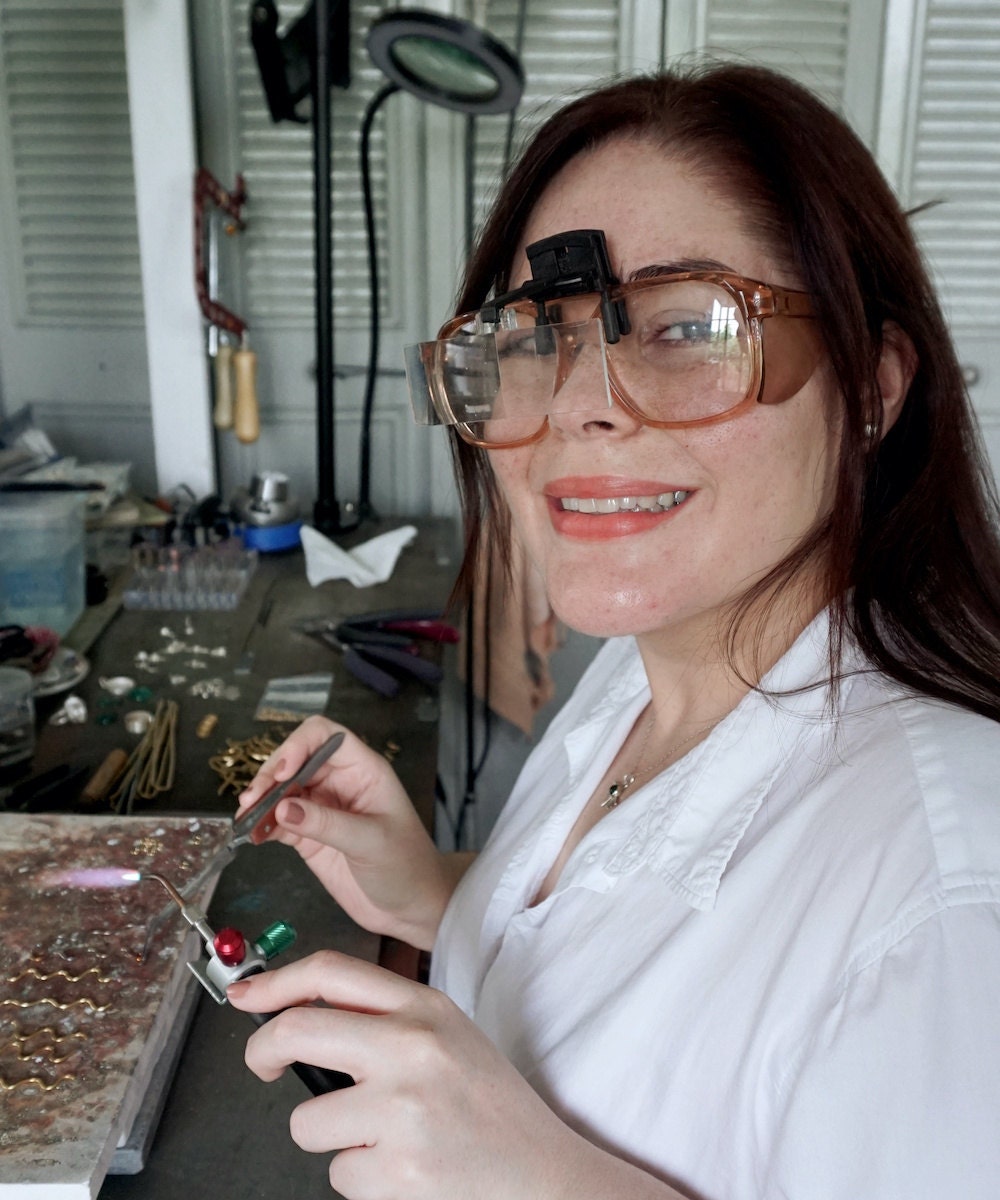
x: 246, y: 419
x: 222, y: 417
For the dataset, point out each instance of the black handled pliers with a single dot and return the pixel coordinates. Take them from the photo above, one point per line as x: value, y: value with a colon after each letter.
x: 378, y: 647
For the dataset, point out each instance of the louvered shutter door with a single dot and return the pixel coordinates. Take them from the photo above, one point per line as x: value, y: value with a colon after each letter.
x: 70, y: 191
x: 956, y: 156
x: 277, y: 163
x: 955, y: 159
x: 567, y: 46
x: 72, y: 336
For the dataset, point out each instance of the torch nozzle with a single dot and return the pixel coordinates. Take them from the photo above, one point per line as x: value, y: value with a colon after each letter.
x: 172, y: 892
x: 190, y: 912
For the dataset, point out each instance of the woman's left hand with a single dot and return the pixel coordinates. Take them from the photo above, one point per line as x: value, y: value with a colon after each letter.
x: 437, y: 1112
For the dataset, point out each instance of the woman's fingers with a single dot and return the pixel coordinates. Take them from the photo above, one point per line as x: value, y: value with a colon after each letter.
x: 436, y: 1112
x: 322, y: 1037
x: 283, y: 762
x: 338, y: 1121
x: 328, y: 976
x: 357, y: 835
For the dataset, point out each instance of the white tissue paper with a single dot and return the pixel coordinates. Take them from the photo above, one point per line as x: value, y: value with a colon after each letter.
x: 371, y: 562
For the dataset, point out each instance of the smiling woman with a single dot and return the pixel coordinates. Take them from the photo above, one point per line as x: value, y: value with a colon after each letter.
x: 746, y: 890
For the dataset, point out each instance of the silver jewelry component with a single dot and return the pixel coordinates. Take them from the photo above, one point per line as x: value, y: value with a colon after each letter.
x: 618, y: 787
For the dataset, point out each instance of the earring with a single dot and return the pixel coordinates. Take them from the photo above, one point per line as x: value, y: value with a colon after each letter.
x: 871, y: 430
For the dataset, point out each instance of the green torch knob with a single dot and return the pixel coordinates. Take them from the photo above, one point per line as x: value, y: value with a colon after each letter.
x: 276, y: 938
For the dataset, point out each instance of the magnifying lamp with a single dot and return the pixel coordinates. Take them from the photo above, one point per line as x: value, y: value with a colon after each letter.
x: 441, y: 60
x: 444, y: 61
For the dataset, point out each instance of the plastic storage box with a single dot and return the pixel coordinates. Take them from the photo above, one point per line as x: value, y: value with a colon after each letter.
x: 42, y: 572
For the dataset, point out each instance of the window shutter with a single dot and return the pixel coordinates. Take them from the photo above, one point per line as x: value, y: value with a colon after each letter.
x: 956, y: 157
x: 70, y: 190
x: 806, y: 39
x: 277, y: 163
x: 567, y: 46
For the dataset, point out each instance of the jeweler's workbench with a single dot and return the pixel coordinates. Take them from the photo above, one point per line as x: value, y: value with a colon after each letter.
x: 218, y: 1122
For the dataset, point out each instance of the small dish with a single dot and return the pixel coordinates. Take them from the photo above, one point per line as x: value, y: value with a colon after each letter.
x: 65, y: 670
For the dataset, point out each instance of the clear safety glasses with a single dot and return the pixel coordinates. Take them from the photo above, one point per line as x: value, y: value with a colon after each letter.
x: 693, y: 355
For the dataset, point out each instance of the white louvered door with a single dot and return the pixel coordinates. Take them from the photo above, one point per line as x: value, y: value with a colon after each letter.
x: 71, y: 319
x: 920, y: 82
x: 940, y: 139
x: 271, y: 277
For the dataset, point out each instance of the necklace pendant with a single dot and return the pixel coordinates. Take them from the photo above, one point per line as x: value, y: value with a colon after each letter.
x: 616, y: 791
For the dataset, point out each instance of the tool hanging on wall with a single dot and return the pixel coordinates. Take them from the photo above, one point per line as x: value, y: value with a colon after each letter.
x: 235, y: 364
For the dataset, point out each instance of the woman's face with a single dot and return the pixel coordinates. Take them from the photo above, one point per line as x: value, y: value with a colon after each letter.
x: 755, y: 484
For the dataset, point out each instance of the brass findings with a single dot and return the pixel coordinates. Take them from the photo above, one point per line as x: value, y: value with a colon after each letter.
x: 237, y: 765
x: 206, y: 726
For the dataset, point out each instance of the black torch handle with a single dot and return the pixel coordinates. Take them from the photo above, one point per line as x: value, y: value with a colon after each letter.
x: 319, y: 1080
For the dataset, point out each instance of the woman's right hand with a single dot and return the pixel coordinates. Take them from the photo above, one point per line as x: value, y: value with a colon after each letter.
x: 354, y: 825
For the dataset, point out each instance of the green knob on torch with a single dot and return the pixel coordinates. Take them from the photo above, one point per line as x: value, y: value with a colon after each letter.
x: 275, y: 939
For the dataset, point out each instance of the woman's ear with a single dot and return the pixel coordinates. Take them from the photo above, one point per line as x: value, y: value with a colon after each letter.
x: 896, y: 368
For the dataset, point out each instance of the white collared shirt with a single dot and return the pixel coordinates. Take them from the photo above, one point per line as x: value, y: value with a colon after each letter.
x: 774, y: 971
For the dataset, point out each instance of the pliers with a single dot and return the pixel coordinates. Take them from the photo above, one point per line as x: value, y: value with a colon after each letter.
x: 378, y: 645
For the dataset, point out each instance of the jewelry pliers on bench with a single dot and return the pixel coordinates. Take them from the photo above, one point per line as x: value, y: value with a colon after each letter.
x: 378, y: 647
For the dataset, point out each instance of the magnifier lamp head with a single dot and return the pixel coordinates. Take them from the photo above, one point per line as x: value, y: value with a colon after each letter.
x: 446, y: 61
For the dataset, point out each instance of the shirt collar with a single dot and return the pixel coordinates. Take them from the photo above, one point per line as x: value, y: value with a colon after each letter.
x: 693, y: 816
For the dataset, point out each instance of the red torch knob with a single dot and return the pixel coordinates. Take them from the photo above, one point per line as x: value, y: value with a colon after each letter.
x: 230, y: 947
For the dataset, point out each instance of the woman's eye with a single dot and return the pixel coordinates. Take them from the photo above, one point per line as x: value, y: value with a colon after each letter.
x: 680, y: 327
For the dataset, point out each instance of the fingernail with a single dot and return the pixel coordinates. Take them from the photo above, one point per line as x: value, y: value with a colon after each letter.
x: 237, y: 989
x: 293, y: 813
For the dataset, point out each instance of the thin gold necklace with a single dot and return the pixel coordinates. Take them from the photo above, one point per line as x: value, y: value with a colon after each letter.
x: 618, y: 787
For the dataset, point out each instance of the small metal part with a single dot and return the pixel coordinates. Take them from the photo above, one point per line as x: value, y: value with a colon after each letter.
x: 206, y: 725
x: 73, y: 711
x: 138, y: 721
x: 117, y: 685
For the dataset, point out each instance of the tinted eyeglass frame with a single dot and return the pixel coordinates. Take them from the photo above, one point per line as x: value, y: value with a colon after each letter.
x: 756, y: 301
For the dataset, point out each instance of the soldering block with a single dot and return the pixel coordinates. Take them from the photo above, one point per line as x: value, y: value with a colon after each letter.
x: 82, y: 1021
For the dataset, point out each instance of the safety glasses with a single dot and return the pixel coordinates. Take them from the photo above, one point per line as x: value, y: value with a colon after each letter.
x: 691, y: 352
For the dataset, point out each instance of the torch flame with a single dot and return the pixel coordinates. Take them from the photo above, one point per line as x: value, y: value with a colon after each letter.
x: 91, y: 877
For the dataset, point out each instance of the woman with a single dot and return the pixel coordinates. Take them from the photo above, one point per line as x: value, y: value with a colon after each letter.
x: 736, y: 933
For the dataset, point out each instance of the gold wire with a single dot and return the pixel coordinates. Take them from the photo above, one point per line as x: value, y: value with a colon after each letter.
x: 45, y: 976
x: 34, y: 1081
x: 62, y: 1005
x: 152, y: 765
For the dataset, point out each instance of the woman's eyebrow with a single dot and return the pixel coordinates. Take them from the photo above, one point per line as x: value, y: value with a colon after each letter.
x: 675, y: 268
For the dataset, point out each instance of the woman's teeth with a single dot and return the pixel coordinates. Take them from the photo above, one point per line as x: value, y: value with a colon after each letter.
x: 615, y: 504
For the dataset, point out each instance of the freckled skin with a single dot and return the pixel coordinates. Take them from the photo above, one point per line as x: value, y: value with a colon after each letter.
x: 759, y: 481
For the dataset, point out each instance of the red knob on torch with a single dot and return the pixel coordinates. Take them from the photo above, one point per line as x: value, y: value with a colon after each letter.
x: 230, y: 947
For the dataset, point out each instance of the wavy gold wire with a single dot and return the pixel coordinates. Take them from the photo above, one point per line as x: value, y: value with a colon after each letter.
x: 45, y: 976
x: 62, y: 1005
x: 34, y: 1081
